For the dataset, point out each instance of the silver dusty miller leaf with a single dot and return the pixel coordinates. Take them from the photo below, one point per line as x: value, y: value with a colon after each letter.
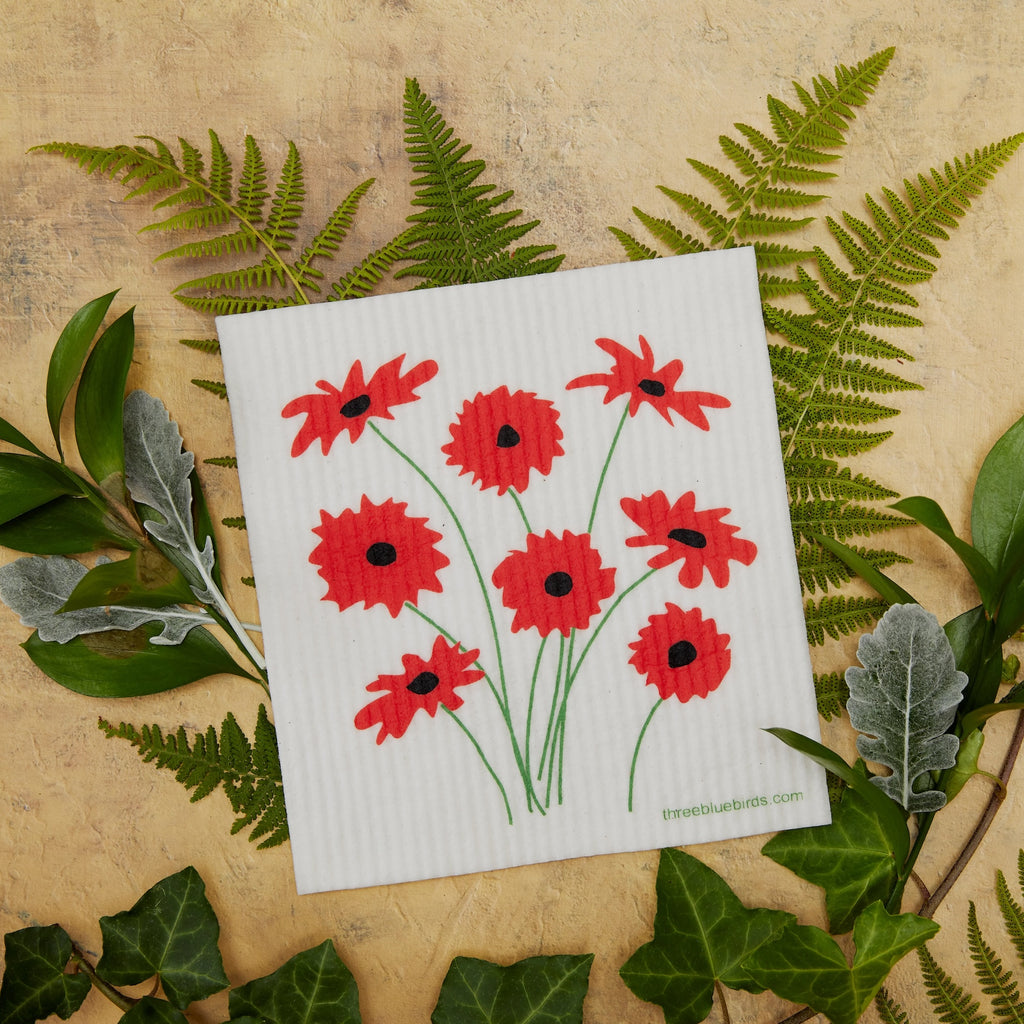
x: 905, y: 699
x: 36, y: 588
x: 157, y: 475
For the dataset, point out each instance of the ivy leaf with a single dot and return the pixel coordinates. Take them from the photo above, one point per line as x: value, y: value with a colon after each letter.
x: 150, y: 1010
x: 537, y: 990
x: 906, y: 698
x: 702, y: 934
x: 27, y: 482
x: 158, y: 474
x: 128, y: 664
x: 34, y: 984
x: 145, y: 579
x: 171, y: 932
x: 853, y: 859
x: 68, y: 356
x: 67, y: 525
x: 99, y: 403
x: 806, y: 965
x: 313, y: 987
x: 37, y: 589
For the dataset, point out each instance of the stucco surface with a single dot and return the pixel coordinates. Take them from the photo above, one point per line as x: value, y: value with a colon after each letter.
x: 582, y: 108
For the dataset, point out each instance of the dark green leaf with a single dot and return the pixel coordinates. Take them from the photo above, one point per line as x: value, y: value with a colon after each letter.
x: 887, y: 588
x: 852, y: 859
x: 27, y: 482
x: 145, y: 579
x: 11, y: 434
x: 99, y: 431
x: 68, y: 525
x: 976, y: 719
x: 702, y: 934
x: 969, y: 636
x: 69, y: 354
x: 887, y: 813
x: 126, y: 664
x: 150, y: 1010
x: 966, y: 762
x: 313, y: 987
x: 806, y: 965
x: 538, y: 990
x: 928, y: 513
x: 997, y: 509
x: 172, y: 933
x: 35, y: 984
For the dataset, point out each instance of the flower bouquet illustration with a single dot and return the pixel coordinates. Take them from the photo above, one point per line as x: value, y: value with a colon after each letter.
x: 557, y: 584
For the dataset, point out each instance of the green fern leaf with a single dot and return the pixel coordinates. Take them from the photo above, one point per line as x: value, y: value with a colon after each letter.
x: 635, y: 249
x: 1013, y: 913
x: 831, y: 693
x: 950, y: 1003
x: 459, y: 235
x: 234, y: 522
x: 227, y: 461
x: 215, y: 387
x: 818, y: 478
x: 249, y: 581
x: 819, y: 569
x: 364, y: 277
x: 996, y: 981
x: 211, y: 346
x: 286, y: 206
x: 815, y: 517
x: 248, y: 772
x: 665, y: 231
x: 838, y: 616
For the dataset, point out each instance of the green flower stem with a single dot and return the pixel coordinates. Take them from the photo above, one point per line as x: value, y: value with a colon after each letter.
x: 554, y: 706
x: 79, y: 962
x: 519, y: 505
x: 487, y: 764
x: 529, y: 709
x: 604, y: 468
x: 636, y: 750
x: 503, y: 702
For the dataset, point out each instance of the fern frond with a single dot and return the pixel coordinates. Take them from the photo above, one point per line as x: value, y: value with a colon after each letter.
x: 365, y: 275
x: 1012, y: 911
x: 665, y: 231
x: 996, y: 981
x: 831, y: 694
x: 813, y: 517
x: 459, y: 235
x: 215, y: 387
x: 819, y: 569
x: 234, y: 522
x: 950, y: 1003
x: 227, y: 461
x: 248, y: 772
x: 819, y: 478
x: 328, y: 239
x: 839, y: 616
x: 211, y: 346
x: 634, y: 248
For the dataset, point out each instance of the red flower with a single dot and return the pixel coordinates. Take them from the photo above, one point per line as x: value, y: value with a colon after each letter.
x: 500, y: 437
x: 329, y: 414
x: 422, y: 686
x: 377, y: 555
x: 556, y: 583
x: 682, y: 654
x: 635, y: 376
x: 700, y: 539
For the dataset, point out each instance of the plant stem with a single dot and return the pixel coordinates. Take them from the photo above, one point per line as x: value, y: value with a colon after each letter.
x: 984, y: 823
x: 604, y: 468
x: 80, y: 962
x: 519, y: 505
x: 487, y: 764
x: 529, y: 708
x: 720, y: 992
x: 636, y: 753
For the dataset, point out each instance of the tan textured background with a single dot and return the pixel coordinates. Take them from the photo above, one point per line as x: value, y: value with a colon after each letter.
x: 582, y: 107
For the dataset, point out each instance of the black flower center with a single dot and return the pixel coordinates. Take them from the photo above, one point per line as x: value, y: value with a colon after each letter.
x: 558, y: 584
x: 691, y: 538
x: 508, y: 436
x: 355, y: 407
x: 681, y: 653
x: 381, y: 553
x: 423, y: 683
x: 652, y: 387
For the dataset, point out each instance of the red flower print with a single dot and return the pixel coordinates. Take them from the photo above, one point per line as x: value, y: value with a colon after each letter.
x: 636, y: 376
x: 682, y: 654
x: 556, y: 583
x: 700, y: 539
x: 500, y: 437
x: 327, y: 415
x: 422, y: 686
x: 377, y: 555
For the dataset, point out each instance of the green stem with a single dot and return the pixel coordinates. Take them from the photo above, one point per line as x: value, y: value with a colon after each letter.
x: 487, y: 764
x: 503, y: 702
x: 636, y: 751
x: 79, y: 962
x: 604, y: 468
x: 554, y: 706
x: 529, y: 709
x: 522, y: 512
